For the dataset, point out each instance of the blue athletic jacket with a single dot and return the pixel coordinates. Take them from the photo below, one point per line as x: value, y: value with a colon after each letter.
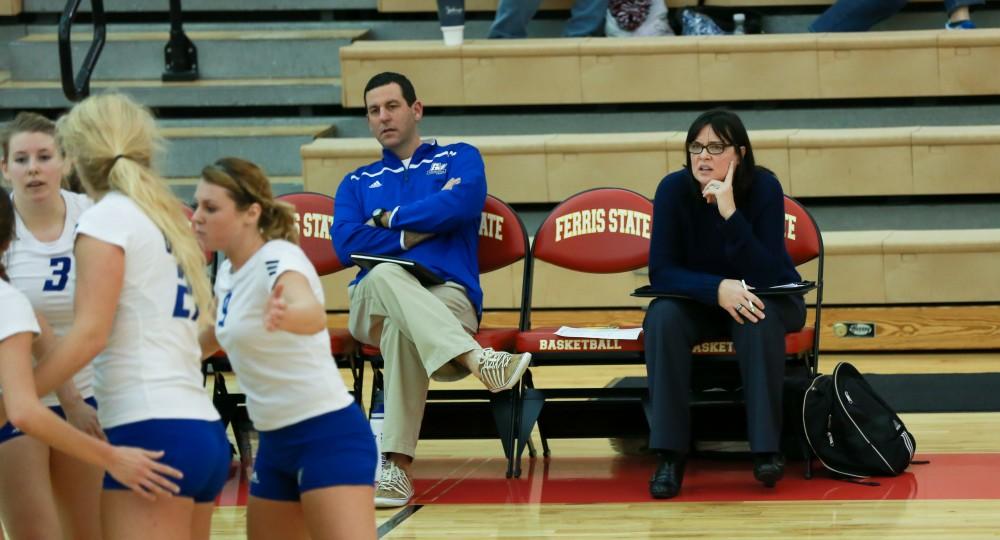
x: 417, y: 203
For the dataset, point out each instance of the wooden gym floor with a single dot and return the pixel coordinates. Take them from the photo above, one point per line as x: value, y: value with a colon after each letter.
x: 587, y: 490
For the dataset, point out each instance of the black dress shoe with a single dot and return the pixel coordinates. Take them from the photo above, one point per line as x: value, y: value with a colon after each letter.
x: 768, y: 468
x: 666, y: 481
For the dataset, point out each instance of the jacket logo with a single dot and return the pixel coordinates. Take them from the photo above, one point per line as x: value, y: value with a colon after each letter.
x: 375, y: 184
x: 438, y: 168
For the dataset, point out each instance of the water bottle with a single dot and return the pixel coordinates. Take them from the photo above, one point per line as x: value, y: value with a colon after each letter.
x: 376, y: 418
x: 739, y: 20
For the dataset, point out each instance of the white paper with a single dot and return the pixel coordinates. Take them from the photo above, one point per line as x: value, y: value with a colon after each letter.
x: 599, y: 333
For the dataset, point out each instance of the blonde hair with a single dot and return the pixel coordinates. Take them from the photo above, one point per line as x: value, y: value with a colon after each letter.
x: 112, y: 140
x: 247, y: 184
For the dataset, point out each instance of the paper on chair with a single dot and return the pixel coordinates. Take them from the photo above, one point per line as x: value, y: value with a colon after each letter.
x: 599, y: 333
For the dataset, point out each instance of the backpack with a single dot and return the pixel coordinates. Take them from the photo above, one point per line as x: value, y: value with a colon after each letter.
x: 851, y: 429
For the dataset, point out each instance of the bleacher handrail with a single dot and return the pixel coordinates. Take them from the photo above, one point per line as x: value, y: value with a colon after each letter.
x: 78, y: 87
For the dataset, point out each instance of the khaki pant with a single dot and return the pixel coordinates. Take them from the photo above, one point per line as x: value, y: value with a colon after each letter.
x: 419, y: 330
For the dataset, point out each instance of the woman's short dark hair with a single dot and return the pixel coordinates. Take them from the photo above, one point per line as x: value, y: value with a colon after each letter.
x: 728, y: 126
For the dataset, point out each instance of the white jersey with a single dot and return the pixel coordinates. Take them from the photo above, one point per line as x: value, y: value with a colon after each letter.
x: 287, y: 377
x: 18, y: 317
x: 46, y: 273
x: 151, y: 367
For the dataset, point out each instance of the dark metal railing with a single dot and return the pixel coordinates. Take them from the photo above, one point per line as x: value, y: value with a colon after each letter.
x: 181, y: 56
x: 78, y: 87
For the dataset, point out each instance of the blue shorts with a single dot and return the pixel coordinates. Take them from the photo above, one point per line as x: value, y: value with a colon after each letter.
x: 332, y: 449
x: 197, y: 448
x: 8, y: 431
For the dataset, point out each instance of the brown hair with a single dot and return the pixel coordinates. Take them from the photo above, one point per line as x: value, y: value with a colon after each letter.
x: 26, y: 122
x: 29, y: 122
x: 112, y: 140
x: 6, y: 228
x: 247, y: 184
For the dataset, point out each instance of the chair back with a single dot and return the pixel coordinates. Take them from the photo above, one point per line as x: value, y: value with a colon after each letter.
x: 802, y: 237
x: 503, y: 240
x: 314, y: 215
x: 599, y: 231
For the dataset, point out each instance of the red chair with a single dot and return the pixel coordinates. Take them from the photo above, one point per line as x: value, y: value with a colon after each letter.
x: 503, y: 241
x: 314, y: 213
x: 599, y: 231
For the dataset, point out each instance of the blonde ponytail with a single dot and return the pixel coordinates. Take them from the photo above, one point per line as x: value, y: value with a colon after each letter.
x: 113, y: 141
x: 247, y: 184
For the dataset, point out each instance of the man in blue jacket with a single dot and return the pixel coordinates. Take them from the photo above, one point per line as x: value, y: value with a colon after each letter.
x: 421, y: 202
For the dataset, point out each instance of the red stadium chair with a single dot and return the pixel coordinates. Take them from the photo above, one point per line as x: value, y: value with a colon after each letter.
x: 600, y: 231
x: 503, y: 241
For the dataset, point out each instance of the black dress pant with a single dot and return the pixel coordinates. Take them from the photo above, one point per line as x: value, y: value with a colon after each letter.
x: 673, y: 326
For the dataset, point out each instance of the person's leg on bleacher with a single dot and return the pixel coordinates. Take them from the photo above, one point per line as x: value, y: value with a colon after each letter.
x: 670, y: 329
x: 959, y: 17
x: 586, y: 18
x: 512, y: 18
x: 760, y: 350
x: 419, y: 333
x: 855, y: 15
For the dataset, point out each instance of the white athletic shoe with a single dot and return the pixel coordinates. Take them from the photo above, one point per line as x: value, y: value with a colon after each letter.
x: 393, y: 488
x: 502, y: 370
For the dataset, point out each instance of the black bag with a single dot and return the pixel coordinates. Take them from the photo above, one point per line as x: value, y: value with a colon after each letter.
x: 722, y: 16
x: 851, y: 429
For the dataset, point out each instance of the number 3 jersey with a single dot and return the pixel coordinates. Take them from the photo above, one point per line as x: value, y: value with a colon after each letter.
x: 46, y: 273
x: 287, y: 377
x: 151, y: 367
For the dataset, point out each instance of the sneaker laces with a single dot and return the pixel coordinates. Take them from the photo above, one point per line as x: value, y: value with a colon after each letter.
x: 394, y: 479
x: 493, y: 366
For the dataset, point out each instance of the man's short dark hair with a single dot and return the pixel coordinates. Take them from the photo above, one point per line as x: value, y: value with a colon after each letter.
x: 388, y: 77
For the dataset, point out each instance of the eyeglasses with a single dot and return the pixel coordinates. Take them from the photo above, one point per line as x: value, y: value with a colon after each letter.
x: 714, y: 148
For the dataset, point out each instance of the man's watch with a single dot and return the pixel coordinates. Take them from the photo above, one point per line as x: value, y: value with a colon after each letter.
x: 377, y: 217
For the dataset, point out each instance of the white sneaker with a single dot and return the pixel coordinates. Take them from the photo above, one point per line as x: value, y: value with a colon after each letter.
x: 393, y: 488
x: 502, y: 370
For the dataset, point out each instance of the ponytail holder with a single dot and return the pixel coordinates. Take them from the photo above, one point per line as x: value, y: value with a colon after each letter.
x: 116, y: 158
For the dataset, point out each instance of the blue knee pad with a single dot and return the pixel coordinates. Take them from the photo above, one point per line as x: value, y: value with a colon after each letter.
x: 332, y: 449
x: 197, y: 448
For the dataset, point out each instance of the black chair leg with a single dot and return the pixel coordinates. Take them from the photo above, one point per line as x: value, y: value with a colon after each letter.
x: 532, y: 402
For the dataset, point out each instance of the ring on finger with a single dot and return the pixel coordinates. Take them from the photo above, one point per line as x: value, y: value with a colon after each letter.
x: 738, y: 307
x: 751, y: 308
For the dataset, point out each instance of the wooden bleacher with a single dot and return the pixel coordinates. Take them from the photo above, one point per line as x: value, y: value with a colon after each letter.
x: 683, y: 69
x: 809, y: 162
x: 10, y: 7
x: 410, y: 6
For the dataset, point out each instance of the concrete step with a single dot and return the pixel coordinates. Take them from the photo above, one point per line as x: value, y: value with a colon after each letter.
x: 272, y: 143
x: 163, y: 6
x: 631, y: 120
x: 222, y: 54
x: 184, y: 188
x: 304, y: 91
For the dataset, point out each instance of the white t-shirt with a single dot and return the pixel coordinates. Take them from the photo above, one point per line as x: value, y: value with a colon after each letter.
x: 46, y: 273
x: 151, y: 367
x: 287, y: 377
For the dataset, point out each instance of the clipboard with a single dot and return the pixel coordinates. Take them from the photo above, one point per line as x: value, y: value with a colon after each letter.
x: 419, y: 271
x: 797, y: 287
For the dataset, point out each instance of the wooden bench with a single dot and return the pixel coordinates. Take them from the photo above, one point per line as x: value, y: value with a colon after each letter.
x: 682, y: 69
x: 809, y: 163
x: 10, y: 8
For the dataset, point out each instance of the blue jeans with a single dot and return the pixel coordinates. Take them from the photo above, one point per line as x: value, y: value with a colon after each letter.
x: 861, y: 15
x: 586, y: 18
